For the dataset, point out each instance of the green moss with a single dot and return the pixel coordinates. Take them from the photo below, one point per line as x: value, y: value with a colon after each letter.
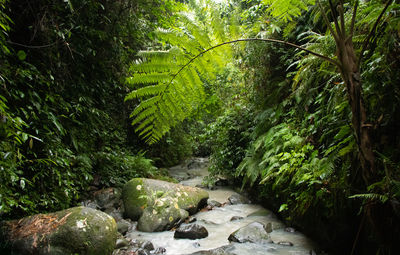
x: 78, y: 230
x: 134, y: 197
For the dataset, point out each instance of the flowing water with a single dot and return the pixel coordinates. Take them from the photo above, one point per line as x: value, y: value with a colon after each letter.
x: 219, y: 225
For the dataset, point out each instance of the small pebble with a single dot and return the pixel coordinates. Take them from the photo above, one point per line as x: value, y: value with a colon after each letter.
x: 234, y: 218
x: 285, y: 243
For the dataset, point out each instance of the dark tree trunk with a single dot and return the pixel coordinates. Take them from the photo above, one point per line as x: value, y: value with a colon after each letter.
x: 351, y: 76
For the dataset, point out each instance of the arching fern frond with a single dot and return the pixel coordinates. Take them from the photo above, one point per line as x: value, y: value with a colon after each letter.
x: 167, y: 89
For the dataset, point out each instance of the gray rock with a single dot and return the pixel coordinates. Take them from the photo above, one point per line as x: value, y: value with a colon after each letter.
x: 107, y: 198
x: 196, y: 163
x: 224, y: 250
x: 77, y: 230
x: 160, y: 250
x: 140, y: 193
x: 253, y: 233
x: 121, y: 242
x: 290, y: 230
x: 192, y: 231
x: 234, y: 218
x: 123, y: 226
x: 285, y: 243
x: 91, y: 204
x: 154, y: 220
x: 236, y: 199
x: 268, y: 227
x: 115, y: 213
x: 214, y: 203
x: 147, y: 245
x: 191, y: 219
x: 143, y: 252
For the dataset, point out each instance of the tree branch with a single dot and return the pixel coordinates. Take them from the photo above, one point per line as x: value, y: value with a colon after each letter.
x: 372, y: 32
x: 253, y: 39
x: 335, y: 20
x: 353, y: 19
x: 32, y: 46
x: 328, y: 24
x: 342, y: 21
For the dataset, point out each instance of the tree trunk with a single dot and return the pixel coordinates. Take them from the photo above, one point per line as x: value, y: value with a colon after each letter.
x: 351, y: 76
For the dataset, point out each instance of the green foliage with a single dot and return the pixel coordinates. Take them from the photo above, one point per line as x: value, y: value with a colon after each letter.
x: 62, y: 92
x: 230, y: 136
x: 171, y: 81
x: 116, y: 168
x: 288, y: 166
x: 173, y: 148
x: 287, y: 10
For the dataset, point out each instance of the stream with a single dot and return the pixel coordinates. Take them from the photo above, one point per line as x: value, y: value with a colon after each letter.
x: 286, y: 241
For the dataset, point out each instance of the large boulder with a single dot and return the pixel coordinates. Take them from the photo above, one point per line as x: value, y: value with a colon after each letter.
x: 153, y: 220
x: 254, y: 232
x: 78, y: 230
x: 140, y: 193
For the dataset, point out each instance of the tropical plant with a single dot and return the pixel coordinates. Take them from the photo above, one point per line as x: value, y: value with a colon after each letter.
x: 170, y: 81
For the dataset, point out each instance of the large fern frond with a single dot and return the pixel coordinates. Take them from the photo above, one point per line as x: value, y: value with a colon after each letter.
x: 168, y: 84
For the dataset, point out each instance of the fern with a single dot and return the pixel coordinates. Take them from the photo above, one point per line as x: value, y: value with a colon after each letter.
x: 287, y: 10
x: 167, y: 88
x: 372, y: 197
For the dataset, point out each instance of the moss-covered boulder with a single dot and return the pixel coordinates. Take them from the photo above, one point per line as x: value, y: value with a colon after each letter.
x: 78, y: 230
x: 140, y: 193
x: 156, y: 221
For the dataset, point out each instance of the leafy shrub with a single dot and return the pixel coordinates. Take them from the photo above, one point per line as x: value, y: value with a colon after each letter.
x: 231, y: 136
x: 117, y: 168
x: 286, y: 165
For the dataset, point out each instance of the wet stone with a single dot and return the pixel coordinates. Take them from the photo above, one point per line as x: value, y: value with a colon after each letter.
x: 252, y: 233
x: 122, y: 242
x: 123, y: 226
x: 235, y: 218
x: 147, y: 246
x: 285, y: 243
x: 192, y: 231
x: 191, y: 219
x: 214, y: 203
x: 290, y: 230
x: 236, y: 199
x: 160, y: 250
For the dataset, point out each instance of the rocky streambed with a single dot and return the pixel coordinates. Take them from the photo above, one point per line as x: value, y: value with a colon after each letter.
x: 233, y: 225
x: 156, y: 217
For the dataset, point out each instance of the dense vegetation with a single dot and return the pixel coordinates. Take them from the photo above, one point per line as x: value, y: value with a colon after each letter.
x: 312, y: 127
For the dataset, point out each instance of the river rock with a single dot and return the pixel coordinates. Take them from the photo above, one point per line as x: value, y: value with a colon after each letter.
x: 213, y: 203
x: 192, y: 231
x: 285, y: 243
x: 235, y: 218
x: 107, y: 198
x: 236, y: 199
x: 224, y: 250
x: 78, y: 230
x: 121, y: 242
x: 140, y: 193
x: 253, y: 233
x: 153, y: 220
x: 123, y: 226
